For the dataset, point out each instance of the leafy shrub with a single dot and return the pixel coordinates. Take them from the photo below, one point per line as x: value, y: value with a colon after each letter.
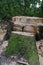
x: 9, y: 27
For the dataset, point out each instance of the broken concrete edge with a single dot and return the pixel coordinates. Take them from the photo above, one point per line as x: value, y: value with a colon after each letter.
x: 27, y: 17
x: 23, y: 33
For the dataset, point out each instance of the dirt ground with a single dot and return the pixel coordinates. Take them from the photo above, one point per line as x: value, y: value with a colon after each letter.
x: 40, y: 51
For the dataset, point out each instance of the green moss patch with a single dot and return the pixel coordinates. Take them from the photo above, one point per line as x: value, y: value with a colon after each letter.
x: 23, y: 45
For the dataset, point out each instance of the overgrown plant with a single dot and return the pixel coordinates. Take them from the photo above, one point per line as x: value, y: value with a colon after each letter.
x: 9, y: 27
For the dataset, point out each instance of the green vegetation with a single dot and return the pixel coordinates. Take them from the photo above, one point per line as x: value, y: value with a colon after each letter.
x: 21, y: 7
x: 23, y: 45
x: 9, y: 26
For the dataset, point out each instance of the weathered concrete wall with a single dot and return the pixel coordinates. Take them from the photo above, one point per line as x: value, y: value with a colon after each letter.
x: 29, y: 29
x: 27, y: 19
x: 30, y: 23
